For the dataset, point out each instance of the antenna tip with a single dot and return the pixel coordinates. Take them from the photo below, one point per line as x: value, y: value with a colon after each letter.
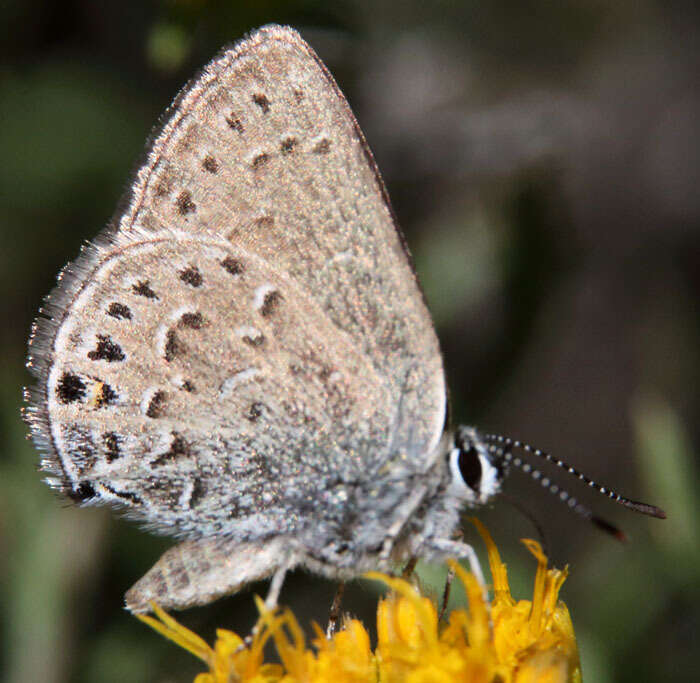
x: 610, y: 529
x: 647, y: 509
x: 658, y: 512
x: 621, y: 536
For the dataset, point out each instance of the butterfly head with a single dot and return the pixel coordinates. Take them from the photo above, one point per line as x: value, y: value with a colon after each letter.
x: 478, y: 463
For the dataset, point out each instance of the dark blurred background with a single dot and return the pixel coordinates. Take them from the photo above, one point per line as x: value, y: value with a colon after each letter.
x: 544, y: 162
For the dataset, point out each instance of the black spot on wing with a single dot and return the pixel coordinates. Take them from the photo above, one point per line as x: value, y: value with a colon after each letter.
x: 322, y: 146
x: 178, y: 448
x: 195, y: 321
x: 184, y: 203
x: 210, y: 164
x: 156, y: 404
x: 119, y: 311
x: 260, y: 160
x: 255, y: 411
x: 173, y: 346
x: 70, y: 388
x: 288, y: 145
x: 106, y: 349
x: 191, y: 276
x: 235, y: 123
x: 143, y: 288
x: 271, y: 302
x: 257, y: 340
x: 83, y: 492
x: 233, y: 265
x: 112, y: 442
x: 261, y: 100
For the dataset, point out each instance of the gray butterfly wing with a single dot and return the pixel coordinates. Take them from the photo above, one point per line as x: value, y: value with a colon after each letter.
x: 250, y: 337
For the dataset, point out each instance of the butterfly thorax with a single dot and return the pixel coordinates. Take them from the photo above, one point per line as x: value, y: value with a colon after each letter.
x: 389, y: 519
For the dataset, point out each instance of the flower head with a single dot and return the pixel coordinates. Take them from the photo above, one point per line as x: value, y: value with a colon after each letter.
x: 505, y: 640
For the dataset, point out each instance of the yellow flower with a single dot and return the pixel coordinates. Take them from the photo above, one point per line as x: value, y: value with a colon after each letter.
x: 504, y: 641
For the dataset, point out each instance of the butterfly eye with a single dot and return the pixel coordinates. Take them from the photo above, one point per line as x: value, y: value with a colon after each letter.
x: 469, y: 464
x: 475, y: 474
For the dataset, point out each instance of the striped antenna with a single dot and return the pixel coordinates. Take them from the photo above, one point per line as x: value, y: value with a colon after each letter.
x: 502, y: 450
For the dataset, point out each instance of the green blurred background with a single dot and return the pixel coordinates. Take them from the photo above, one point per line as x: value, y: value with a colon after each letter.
x: 544, y: 161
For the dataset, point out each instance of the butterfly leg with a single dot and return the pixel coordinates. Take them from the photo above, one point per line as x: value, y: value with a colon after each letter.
x: 407, y: 572
x: 460, y: 550
x: 446, y: 593
x: 403, y: 514
x: 273, y: 592
x: 334, y: 614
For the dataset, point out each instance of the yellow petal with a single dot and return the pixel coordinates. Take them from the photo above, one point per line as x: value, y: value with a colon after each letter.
x: 171, y: 629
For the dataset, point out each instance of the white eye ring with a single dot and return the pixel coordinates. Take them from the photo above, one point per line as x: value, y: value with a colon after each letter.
x: 489, y: 483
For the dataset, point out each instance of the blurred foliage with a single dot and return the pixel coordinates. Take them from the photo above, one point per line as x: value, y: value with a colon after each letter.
x: 543, y: 160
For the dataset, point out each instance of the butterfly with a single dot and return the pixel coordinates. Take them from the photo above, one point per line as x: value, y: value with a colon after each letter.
x: 244, y: 359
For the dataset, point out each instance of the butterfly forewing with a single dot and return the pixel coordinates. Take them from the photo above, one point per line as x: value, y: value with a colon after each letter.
x: 251, y: 330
